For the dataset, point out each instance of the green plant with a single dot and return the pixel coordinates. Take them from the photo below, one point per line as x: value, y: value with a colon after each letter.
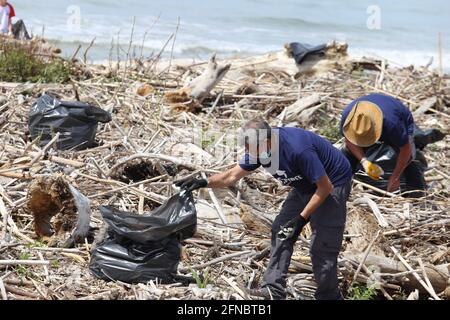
x: 24, y: 256
x: 37, y: 244
x: 54, y: 263
x: 23, y: 271
x: 19, y: 63
x: 207, y: 140
x: 433, y: 147
x: 400, y: 295
x: 359, y: 292
x: 202, y: 281
x: 331, y: 131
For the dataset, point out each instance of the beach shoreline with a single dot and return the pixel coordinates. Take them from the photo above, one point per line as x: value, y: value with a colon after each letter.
x: 151, y: 129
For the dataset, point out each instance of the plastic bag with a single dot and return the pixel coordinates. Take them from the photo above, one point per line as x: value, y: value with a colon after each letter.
x: 19, y: 31
x: 423, y: 138
x: 300, y: 51
x: 75, y: 121
x: 139, y: 248
x: 386, y: 157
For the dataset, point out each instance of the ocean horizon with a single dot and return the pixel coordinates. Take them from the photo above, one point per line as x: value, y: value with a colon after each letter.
x: 404, y: 32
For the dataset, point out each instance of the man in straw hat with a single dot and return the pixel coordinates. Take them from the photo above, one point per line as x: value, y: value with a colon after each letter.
x: 321, y: 179
x: 380, y: 118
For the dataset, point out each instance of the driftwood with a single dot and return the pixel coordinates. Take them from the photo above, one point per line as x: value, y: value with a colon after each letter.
x: 52, y: 197
x: 200, y: 87
x: 296, y: 109
x: 146, y: 149
x: 389, y: 267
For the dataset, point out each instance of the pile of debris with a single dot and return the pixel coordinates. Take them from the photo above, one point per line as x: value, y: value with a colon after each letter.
x: 395, y: 246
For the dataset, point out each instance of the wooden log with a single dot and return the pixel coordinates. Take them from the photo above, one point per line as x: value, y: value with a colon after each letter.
x: 24, y: 262
x: 294, y: 110
x: 200, y: 87
x: 437, y: 275
x: 376, y: 211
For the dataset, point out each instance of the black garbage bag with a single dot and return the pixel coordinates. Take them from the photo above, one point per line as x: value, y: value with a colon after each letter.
x: 139, y: 248
x: 424, y: 137
x: 75, y: 121
x: 300, y: 51
x: 20, y: 31
x: 386, y: 157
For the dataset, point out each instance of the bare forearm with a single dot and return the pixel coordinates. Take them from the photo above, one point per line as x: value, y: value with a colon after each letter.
x: 221, y: 180
x: 403, y: 160
x: 357, y: 152
x: 227, y: 178
x: 324, y: 188
x: 316, y: 200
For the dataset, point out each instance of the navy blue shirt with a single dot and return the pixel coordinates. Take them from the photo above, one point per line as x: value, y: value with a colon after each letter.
x: 398, y: 122
x: 301, y: 159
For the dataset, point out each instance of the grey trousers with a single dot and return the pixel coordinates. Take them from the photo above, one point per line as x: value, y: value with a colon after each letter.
x: 327, y: 223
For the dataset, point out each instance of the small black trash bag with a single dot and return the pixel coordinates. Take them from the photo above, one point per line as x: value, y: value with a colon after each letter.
x: 75, y: 121
x: 139, y: 248
x: 300, y: 51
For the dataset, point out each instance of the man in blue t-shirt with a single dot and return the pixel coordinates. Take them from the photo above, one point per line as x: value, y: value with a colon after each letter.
x: 321, y: 179
x: 377, y: 117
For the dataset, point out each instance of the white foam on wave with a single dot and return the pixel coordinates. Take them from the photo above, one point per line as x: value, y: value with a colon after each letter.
x: 404, y: 58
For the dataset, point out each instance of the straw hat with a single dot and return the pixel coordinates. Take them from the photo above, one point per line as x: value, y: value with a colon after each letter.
x: 363, y: 124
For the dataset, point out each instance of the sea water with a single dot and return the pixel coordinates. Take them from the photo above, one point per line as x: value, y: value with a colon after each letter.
x: 405, y: 32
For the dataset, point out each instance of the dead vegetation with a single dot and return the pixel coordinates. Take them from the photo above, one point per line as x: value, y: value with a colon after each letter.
x: 395, y: 246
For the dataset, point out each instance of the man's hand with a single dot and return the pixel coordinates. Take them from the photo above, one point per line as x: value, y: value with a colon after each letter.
x: 393, y: 184
x: 192, y: 184
x: 373, y: 170
x: 292, y: 227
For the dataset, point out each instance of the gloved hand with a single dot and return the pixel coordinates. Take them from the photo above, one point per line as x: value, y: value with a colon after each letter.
x: 192, y: 184
x: 292, y: 227
x: 373, y: 170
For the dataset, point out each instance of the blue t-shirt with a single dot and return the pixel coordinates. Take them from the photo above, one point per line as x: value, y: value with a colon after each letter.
x: 398, y: 122
x: 301, y: 160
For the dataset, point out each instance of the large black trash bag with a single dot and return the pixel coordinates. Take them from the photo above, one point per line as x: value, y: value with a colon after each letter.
x: 139, y: 248
x: 386, y: 157
x: 75, y: 121
x: 20, y: 31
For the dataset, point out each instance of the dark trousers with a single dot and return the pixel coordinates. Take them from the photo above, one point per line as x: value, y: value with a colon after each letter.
x: 413, y: 174
x: 328, y: 223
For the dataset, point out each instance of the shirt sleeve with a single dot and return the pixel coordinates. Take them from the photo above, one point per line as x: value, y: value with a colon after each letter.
x: 11, y: 11
x: 397, y: 134
x: 249, y: 163
x: 310, y: 166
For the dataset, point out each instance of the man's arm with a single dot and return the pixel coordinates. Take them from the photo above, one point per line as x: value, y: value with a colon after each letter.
x: 324, y: 188
x: 357, y: 152
x: 403, y: 159
x: 295, y: 225
x: 227, y: 178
